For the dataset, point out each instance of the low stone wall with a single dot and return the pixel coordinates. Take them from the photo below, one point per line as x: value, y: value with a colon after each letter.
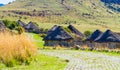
x: 60, y: 43
x: 103, y: 45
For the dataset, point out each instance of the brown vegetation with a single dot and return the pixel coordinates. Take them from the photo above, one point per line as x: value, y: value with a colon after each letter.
x: 16, y: 49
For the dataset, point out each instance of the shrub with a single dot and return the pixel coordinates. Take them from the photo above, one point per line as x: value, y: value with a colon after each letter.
x: 87, y: 33
x: 10, y: 24
x: 16, y: 49
x: 20, y: 29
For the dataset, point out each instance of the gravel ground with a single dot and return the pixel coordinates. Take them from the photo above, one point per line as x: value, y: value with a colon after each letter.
x: 81, y: 60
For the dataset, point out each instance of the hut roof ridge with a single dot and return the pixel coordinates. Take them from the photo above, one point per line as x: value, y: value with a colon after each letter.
x: 76, y: 31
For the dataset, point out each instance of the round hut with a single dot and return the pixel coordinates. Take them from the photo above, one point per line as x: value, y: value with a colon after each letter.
x: 78, y: 38
x: 58, y: 37
x: 109, y: 39
x: 21, y: 23
x: 90, y: 41
x: 31, y: 27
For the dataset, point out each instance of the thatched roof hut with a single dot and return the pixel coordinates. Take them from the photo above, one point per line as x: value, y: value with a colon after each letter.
x: 2, y: 26
x: 21, y: 23
x: 75, y: 31
x: 108, y: 36
x: 58, y: 34
x: 94, y: 35
x: 31, y: 27
x: 52, y: 29
x: 58, y: 37
x: 108, y: 39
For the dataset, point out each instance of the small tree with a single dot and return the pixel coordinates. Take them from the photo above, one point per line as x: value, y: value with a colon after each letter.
x: 87, y: 33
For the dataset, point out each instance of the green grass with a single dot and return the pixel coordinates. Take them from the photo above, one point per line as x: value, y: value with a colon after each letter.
x: 37, y: 39
x: 42, y: 62
x: 103, y: 52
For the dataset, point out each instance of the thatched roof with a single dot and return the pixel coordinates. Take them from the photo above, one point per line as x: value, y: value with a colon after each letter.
x: 58, y: 34
x: 52, y: 29
x: 31, y: 25
x: 108, y: 36
x: 94, y: 35
x: 2, y: 25
x: 75, y: 31
x: 21, y: 23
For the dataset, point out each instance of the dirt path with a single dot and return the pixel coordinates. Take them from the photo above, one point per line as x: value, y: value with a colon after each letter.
x: 80, y: 60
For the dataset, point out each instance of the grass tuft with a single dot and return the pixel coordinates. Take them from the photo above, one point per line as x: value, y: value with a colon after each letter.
x: 16, y: 49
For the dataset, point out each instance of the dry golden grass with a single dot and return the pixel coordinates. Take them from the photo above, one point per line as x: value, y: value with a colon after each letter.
x: 16, y: 49
x: 58, y: 47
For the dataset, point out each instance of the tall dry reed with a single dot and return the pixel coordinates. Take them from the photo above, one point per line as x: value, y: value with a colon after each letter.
x: 16, y: 49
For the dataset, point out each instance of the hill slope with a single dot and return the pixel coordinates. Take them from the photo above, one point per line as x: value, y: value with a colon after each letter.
x: 87, y: 12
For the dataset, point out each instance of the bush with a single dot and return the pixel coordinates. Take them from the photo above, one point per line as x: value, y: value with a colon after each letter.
x: 20, y: 29
x: 10, y: 24
x: 87, y: 33
x: 16, y: 49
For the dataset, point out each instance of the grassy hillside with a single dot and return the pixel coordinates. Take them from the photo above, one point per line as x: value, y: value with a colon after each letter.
x: 84, y: 14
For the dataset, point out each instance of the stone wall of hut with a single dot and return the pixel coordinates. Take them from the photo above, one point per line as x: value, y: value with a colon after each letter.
x: 80, y: 43
x: 95, y: 45
x: 60, y: 43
